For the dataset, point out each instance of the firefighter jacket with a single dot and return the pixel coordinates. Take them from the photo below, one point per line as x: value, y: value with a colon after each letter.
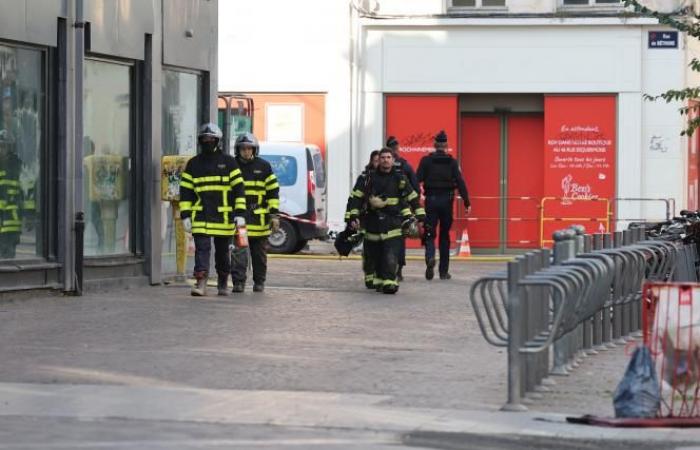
x: 398, y: 198
x: 211, y: 194
x: 440, y: 174
x: 262, y: 192
x: 10, y: 195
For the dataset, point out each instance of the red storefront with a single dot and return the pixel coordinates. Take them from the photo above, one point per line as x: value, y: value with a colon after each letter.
x: 528, y: 172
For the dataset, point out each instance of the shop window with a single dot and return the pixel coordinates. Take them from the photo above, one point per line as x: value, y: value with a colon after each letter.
x: 107, y: 167
x: 478, y: 3
x: 22, y: 97
x: 182, y: 111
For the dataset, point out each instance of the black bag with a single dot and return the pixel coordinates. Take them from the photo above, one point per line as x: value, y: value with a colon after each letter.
x: 346, y: 241
x: 638, y: 395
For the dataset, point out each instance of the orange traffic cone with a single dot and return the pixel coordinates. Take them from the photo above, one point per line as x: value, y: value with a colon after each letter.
x: 464, y: 248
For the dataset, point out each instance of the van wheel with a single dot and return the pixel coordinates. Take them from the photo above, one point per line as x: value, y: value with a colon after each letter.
x: 285, y: 239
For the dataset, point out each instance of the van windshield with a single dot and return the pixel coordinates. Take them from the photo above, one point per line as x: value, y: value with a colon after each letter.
x: 284, y: 167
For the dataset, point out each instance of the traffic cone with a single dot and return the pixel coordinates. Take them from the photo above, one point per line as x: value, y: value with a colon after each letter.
x: 464, y: 248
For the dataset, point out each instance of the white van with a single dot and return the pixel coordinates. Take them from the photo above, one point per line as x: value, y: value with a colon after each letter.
x: 302, y: 178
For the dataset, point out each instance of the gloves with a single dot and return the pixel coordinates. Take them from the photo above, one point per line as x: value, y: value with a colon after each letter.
x: 274, y: 223
x: 354, y: 224
x: 187, y: 224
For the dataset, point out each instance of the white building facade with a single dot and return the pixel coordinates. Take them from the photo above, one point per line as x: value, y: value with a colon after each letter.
x: 542, y: 101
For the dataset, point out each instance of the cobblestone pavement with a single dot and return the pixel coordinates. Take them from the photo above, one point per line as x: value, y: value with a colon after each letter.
x: 316, y: 329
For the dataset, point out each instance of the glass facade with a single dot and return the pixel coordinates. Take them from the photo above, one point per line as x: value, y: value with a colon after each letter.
x: 107, y: 164
x: 181, y: 119
x: 22, y: 106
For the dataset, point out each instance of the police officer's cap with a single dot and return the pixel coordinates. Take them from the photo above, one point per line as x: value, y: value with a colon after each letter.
x: 392, y: 141
x: 441, y: 137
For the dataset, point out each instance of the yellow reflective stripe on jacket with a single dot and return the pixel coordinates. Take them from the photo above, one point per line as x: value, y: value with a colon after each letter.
x: 406, y: 212
x: 271, y: 178
x: 357, y: 193
x: 211, y: 231
x: 239, y: 203
x: 235, y: 173
x: 420, y: 211
x: 212, y: 188
x: 260, y: 211
x: 254, y: 192
x: 9, y: 183
x: 270, y: 187
x: 252, y: 227
x: 274, y: 203
x: 186, y: 176
x: 384, y: 236
x: 185, y: 206
x: 186, y: 184
x: 225, y: 208
x: 411, y: 196
x: 391, y: 201
x: 255, y: 183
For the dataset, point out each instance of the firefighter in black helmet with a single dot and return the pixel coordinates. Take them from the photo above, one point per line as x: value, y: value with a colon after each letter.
x: 211, y: 198
x: 262, y: 195
x: 440, y: 175
x: 404, y: 166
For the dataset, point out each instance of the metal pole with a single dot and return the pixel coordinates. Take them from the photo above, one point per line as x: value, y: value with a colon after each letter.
x: 563, y: 250
x: 514, y: 361
x: 597, y: 338
x: 607, y: 318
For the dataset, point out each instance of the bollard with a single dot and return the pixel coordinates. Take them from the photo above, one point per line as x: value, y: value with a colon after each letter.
x: 545, y: 379
x: 532, y: 327
x: 626, y: 307
x: 617, y: 308
x: 79, y: 252
x: 515, y: 269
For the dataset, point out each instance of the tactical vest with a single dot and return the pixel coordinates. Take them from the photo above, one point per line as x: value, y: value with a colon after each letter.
x: 438, y: 176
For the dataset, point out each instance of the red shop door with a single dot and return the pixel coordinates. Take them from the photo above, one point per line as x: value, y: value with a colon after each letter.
x: 501, y: 160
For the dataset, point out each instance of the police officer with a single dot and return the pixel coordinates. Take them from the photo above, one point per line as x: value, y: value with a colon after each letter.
x: 360, y: 212
x: 440, y: 175
x: 262, y: 195
x: 405, y: 167
x: 389, y: 200
x: 211, y: 198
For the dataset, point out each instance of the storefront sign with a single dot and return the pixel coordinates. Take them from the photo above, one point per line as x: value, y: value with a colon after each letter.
x: 579, y: 162
x: 663, y: 39
x: 415, y: 120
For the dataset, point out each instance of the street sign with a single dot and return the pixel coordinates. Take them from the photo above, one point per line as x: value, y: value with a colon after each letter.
x: 663, y: 39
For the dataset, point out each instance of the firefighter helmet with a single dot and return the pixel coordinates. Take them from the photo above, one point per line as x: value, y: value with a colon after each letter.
x: 248, y: 139
x: 346, y: 240
x: 211, y: 131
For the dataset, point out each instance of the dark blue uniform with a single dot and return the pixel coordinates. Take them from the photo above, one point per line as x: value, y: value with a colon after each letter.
x: 440, y: 175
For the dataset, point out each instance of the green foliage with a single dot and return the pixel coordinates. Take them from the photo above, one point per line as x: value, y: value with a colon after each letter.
x: 685, y: 21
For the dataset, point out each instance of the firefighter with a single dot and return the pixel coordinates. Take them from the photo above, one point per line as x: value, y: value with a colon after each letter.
x: 388, y: 199
x: 10, y: 198
x: 440, y: 175
x: 404, y: 166
x: 262, y: 195
x: 361, y: 215
x: 212, y: 199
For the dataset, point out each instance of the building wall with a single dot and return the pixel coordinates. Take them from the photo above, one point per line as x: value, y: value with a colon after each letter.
x: 149, y: 35
x: 303, y: 47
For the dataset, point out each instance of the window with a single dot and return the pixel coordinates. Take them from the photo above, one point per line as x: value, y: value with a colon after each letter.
x: 22, y: 97
x: 592, y: 2
x: 182, y: 112
x: 284, y: 167
x: 107, y: 171
x: 478, y: 3
x: 320, y: 172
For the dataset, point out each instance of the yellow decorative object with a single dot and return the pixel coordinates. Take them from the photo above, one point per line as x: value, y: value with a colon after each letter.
x: 171, y: 168
x: 106, y: 177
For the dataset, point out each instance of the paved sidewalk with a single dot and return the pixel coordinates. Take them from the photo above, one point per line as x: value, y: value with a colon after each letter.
x: 317, y: 361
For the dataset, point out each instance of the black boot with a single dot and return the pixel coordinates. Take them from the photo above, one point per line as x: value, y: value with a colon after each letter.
x: 429, y: 268
x: 238, y: 286
x: 258, y: 287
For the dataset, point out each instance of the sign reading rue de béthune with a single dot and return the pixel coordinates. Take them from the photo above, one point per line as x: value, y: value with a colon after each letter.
x: 663, y: 39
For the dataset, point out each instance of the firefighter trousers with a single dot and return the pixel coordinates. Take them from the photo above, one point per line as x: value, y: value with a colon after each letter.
x: 258, y: 255
x: 385, y: 255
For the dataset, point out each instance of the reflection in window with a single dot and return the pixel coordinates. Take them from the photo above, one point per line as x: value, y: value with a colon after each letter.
x: 284, y: 168
x: 181, y: 113
x: 21, y: 121
x: 106, y: 162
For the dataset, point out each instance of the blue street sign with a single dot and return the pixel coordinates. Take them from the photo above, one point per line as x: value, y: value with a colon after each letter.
x: 663, y: 39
